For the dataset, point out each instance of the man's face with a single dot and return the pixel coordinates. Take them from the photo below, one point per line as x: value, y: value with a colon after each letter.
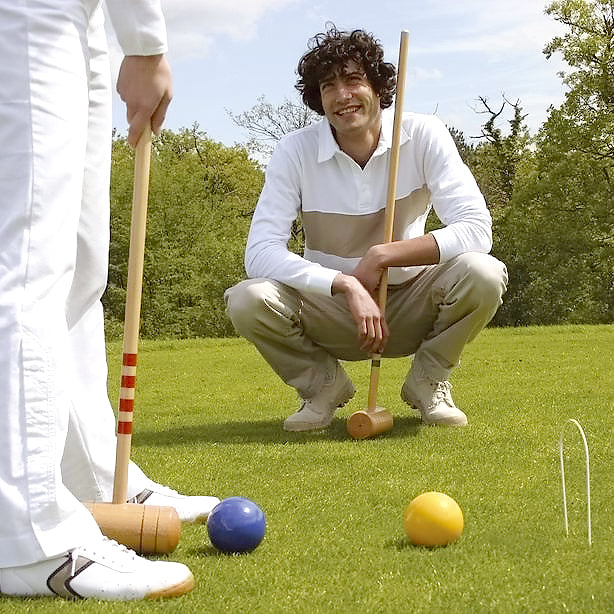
x: 350, y: 103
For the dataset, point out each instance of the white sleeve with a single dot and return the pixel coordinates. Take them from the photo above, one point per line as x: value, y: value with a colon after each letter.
x: 267, y: 254
x: 456, y: 197
x: 139, y: 26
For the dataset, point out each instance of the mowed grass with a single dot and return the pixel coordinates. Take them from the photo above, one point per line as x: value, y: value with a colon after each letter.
x: 208, y: 420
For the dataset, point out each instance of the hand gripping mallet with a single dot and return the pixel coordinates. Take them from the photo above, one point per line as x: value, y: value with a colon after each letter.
x: 147, y: 529
x: 375, y: 420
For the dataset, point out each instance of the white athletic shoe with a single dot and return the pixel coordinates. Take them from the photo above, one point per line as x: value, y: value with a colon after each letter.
x: 101, y: 570
x: 318, y: 412
x: 432, y: 399
x: 189, y: 508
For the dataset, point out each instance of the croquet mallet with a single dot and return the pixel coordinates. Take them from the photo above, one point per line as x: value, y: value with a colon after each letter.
x: 375, y: 420
x: 147, y: 529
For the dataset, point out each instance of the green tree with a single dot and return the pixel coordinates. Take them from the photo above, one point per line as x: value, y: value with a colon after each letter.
x: 501, y: 156
x: 588, y: 48
x: 562, y: 217
x: 202, y: 195
x: 502, y: 161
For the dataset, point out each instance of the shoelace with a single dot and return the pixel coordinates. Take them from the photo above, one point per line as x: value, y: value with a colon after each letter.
x: 89, y: 552
x: 74, y: 555
x: 309, y: 403
x: 165, y: 490
x: 442, y: 392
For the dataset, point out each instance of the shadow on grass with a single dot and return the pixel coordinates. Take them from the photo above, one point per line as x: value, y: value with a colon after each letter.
x: 265, y: 431
x: 400, y: 544
x: 212, y: 552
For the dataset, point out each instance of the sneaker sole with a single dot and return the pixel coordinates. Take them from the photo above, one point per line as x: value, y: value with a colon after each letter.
x: 298, y: 427
x: 174, y: 591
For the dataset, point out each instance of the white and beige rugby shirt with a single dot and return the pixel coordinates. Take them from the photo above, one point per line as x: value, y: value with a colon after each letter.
x: 343, y: 205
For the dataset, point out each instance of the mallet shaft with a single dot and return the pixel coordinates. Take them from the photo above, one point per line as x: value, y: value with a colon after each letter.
x: 136, y: 258
x: 393, y: 172
x: 148, y: 529
x: 374, y: 419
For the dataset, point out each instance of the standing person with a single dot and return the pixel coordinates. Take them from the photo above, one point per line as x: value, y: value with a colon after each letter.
x: 57, y: 442
x: 305, y: 314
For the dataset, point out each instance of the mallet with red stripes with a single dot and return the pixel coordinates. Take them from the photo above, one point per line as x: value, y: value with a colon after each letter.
x: 145, y: 528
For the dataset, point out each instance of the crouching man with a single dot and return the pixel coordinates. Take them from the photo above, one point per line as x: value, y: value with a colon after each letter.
x: 306, y: 314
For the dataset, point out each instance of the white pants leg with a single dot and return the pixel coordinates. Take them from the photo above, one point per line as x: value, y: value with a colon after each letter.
x: 89, y: 456
x: 52, y: 270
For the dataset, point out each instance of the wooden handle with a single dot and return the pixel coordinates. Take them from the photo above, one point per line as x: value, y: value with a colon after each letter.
x: 136, y: 258
x: 393, y: 171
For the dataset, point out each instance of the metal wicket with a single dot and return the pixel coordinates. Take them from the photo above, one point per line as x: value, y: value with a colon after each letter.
x: 588, y: 477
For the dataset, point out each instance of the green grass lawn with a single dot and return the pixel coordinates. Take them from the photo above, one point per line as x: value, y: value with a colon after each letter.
x: 208, y: 420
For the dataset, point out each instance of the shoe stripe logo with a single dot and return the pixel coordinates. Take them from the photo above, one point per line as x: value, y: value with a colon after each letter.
x: 142, y: 496
x: 59, y: 581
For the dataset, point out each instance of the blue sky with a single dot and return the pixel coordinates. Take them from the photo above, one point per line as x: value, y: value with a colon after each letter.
x: 226, y: 53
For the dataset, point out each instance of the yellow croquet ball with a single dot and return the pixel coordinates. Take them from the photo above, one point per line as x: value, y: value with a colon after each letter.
x: 433, y: 519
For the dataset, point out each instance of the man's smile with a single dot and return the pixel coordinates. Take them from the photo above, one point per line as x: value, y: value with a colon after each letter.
x: 348, y: 109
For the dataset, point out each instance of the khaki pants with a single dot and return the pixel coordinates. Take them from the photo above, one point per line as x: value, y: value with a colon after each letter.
x: 433, y: 317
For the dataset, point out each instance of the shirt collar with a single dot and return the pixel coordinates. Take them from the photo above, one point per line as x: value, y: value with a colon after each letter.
x: 385, y: 137
x: 328, y: 147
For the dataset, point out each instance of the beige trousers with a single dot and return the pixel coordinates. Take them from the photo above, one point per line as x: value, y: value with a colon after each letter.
x: 432, y: 317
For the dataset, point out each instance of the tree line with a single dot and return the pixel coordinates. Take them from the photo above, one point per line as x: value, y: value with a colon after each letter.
x: 550, y: 196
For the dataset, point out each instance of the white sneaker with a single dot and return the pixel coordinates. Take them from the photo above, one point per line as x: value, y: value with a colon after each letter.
x: 189, y: 508
x: 318, y: 412
x: 432, y: 399
x: 102, y: 570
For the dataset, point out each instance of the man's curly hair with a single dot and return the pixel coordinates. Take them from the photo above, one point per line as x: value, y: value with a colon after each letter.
x: 330, y: 51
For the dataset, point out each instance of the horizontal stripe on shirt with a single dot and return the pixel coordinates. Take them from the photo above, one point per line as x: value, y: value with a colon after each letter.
x: 349, y: 236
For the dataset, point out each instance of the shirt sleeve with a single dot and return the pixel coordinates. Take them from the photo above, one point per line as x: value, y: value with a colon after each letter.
x: 455, y: 195
x: 139, y: 26
x: 267, y: 254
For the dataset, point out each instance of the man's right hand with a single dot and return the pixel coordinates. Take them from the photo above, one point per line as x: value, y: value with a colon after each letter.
x: 145, y: 85
x: 372, y: 327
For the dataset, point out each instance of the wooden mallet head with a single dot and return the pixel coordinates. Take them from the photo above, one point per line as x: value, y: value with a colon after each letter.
x: 373, y: 420
x: 147, y: 529
x: 368, y: 423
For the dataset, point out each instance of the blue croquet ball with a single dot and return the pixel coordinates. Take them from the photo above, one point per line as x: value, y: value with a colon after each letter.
x: 236, y: 524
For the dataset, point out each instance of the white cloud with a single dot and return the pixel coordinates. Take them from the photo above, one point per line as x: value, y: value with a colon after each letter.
x: 459, y: 49
x: 418, y: 73
x: 521, y: 38
x: 193, y: 24
x: 490, y: 28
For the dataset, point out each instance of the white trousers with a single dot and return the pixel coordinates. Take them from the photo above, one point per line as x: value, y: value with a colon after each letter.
x: 57, y: 441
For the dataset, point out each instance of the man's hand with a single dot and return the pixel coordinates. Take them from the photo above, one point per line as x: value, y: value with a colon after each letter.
x: 145, y: 85
x: 370, y: 269
x: 372, y: 328
x: 421, y: 250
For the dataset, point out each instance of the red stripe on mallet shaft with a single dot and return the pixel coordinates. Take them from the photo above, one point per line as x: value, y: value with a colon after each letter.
x: 124, y: 428
x: 128, y: 381
x: 129, y: 360
x: 126, y: 405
